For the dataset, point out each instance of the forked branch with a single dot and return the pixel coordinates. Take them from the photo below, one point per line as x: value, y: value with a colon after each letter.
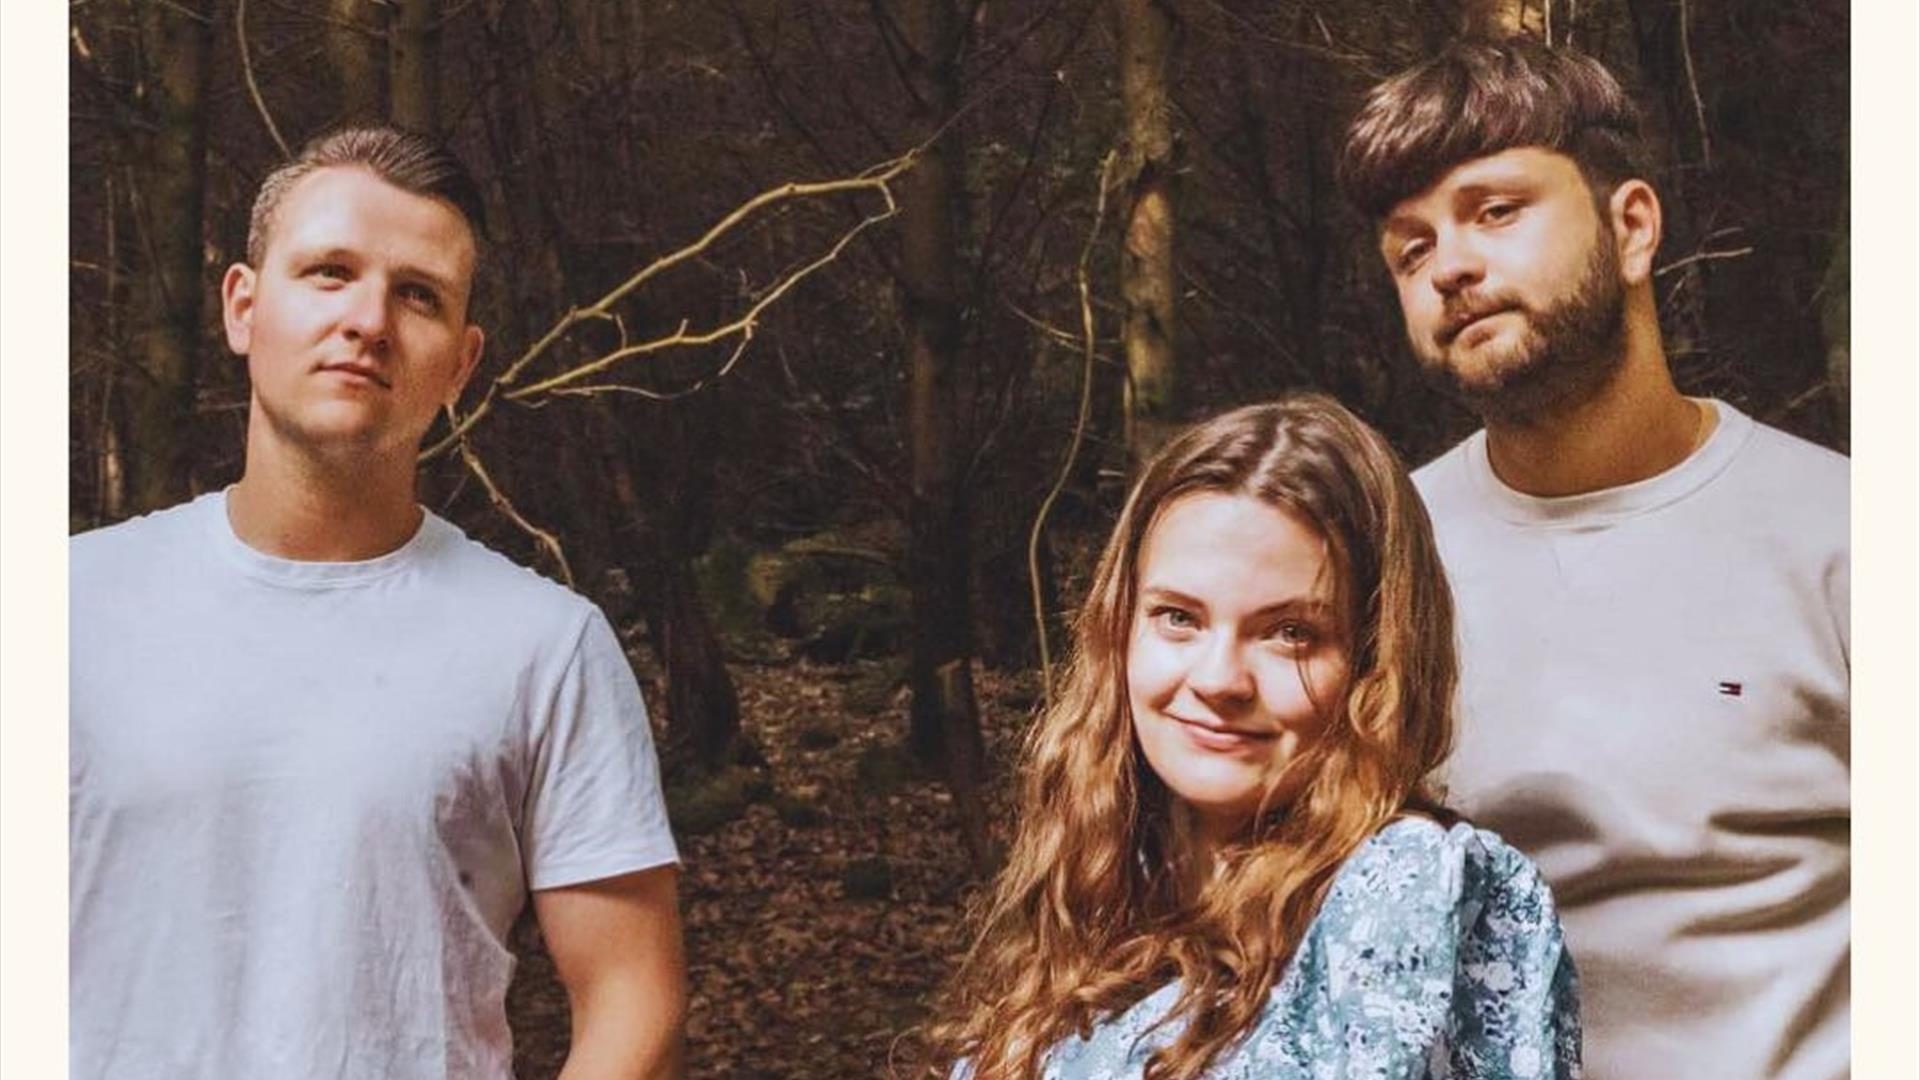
x: 507, y: 385
x: 543, y: 537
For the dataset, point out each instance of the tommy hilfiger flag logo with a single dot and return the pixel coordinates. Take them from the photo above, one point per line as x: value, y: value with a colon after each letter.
x: 1730, y: 689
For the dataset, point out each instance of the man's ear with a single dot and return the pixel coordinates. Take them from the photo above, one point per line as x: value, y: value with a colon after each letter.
x: 1634, y: 210
x: 472, y: 343
x: 236, y: 306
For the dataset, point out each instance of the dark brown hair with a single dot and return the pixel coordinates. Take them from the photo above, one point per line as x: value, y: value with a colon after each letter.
x: 406, y: 159
x: 1087, y: 918
x: 1482, y: 97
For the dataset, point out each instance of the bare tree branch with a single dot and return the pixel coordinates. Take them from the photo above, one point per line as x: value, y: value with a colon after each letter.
x: 1693, y: 86
x: 1356, y: 58
x: 546, y: 540
x: 742, y: 326
x: 182, y: 9
x: 1702, y: 256
x: 877, y: 179
x: 1079, y: 429
x: 1820, y: 388
x: 745, y: 330
x: 1061, y: 335
x: 253, y: 88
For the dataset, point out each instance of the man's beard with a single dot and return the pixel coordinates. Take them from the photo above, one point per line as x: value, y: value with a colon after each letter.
x: 1564, y: 355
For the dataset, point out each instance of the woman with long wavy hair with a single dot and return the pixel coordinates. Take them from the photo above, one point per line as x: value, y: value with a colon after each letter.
x: 1228, y: 861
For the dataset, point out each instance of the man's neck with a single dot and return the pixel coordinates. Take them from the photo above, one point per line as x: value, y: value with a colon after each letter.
x: 1635, y: 426
x: 323, y: 512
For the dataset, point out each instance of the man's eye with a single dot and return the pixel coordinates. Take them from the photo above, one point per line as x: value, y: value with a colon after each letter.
x: 1496, y: 212
x: 1409, y: 255
x: 420, y: 296
x: 330, y: 271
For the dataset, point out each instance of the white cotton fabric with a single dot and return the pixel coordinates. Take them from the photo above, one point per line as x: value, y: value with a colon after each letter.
x: 308, y: 799
x: 1655, y: 707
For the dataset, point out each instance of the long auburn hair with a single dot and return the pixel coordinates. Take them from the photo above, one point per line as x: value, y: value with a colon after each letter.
x: 1087, y: 916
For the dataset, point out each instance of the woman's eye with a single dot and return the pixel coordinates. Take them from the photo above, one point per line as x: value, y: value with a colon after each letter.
x: 1173, y: 620
x: 1293, y: 634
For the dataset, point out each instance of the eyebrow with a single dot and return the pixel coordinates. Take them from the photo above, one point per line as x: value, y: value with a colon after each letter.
x: 1399, y: 225
x: 1501, y: 181
x: 1312, y: 605
x: 1493, y: 185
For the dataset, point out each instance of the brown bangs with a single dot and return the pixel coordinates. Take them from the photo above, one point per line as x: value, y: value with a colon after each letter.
x: 1478, y: 98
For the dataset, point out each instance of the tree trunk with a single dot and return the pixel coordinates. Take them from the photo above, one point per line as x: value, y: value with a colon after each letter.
x: 702, y: 708
x: 635, y: 556
x: 650, y: 473
x: 170, y: 194
x: 1315, y: 238
x: 1146, y: 264
x: 110, y: 495
x: 413, y: 65
x: 352, y: 45
x: 945, y: 725
x: 1292, y: 221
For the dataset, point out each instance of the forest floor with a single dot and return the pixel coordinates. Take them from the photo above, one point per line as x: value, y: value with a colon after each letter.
x: 821, y: 921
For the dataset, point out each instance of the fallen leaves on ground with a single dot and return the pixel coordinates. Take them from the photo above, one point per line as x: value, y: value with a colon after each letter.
x: 790, y: 975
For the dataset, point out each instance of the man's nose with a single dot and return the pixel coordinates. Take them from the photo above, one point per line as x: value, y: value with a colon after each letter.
x: 368, y: 318
x: 1457, y: 264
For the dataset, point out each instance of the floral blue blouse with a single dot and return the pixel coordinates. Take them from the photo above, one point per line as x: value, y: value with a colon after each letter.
x: 1436, y: 956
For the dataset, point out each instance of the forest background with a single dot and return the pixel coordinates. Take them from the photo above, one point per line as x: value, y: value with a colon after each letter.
x: 796, y: 441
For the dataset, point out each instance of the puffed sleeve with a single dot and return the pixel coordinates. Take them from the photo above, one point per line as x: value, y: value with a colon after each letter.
x: 1516, y: 997
x: 1437, y: 953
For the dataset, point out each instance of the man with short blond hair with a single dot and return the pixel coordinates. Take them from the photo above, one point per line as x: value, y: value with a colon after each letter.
x: 323, y: 746
x: 1652, y: 588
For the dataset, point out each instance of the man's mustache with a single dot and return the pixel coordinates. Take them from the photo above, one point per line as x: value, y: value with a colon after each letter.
x: 1463, y: 308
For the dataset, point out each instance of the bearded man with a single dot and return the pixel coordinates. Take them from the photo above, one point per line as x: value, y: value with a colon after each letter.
x: 1652, y: 588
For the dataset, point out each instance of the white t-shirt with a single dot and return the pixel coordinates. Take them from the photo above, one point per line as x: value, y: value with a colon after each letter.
x: 308, y: 799
x: 1655, y: 707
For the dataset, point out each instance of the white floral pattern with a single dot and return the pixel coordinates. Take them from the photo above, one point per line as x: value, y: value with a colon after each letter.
x: 1437, y: 956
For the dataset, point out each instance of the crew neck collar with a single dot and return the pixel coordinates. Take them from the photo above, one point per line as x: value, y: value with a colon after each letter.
x: 1707, y: 461
x: 310, y: 574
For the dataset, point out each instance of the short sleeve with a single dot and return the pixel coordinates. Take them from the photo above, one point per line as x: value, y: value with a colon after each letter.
x: 594, y: 806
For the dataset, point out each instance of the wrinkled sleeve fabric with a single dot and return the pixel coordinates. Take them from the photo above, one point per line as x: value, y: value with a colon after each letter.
x: 1516, y: 996
x: 1436, y: 954
x: 595, y: 808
